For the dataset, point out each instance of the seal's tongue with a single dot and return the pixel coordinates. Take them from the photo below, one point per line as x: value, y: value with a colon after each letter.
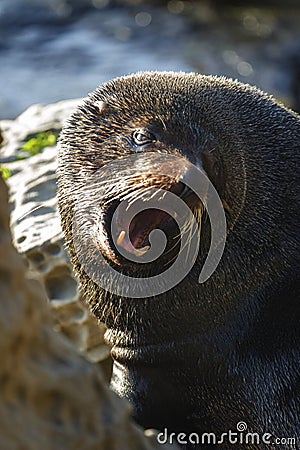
x: 140, y: 228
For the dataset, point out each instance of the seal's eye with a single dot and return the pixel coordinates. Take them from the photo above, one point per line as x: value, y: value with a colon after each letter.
x: 142, y: 137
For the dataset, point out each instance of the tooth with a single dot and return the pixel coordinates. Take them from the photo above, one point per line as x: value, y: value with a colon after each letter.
x: 141, y: 251
x: 121, y: 237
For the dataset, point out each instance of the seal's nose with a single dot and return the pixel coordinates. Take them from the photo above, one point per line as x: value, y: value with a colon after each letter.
x: 191, y: 185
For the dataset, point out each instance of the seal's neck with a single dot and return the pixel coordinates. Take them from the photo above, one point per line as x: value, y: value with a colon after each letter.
x: 150, y: 390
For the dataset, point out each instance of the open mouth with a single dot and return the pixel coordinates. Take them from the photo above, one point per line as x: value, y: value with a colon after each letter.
x: 133, y: 235
x: 140, y: 228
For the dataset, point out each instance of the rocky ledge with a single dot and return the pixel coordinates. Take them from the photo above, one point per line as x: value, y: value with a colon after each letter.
x: 51, y: 397
x: 28, y: 161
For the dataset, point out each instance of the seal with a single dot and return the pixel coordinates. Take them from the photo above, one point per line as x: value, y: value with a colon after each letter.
x: 211, y: 359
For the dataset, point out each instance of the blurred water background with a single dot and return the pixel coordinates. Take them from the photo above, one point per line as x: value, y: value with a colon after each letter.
x: 57, y: 49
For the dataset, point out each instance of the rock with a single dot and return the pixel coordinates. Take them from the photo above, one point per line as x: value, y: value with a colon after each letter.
x: 50, y: 396
x: 36, y: 227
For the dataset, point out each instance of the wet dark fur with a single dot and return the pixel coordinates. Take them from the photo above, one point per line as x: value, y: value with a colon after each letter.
x: 201, y: 358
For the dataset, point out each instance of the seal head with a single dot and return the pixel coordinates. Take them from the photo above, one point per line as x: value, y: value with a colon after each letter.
x: 198, y: 357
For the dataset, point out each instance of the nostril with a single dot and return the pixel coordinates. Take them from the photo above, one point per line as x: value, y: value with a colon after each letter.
x: 186, y: 192
x: 181, y: 189
x: 178, y: 188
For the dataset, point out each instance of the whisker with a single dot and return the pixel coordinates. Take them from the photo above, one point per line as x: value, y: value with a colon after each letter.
x: 43, y: 205
x: 188, y: 228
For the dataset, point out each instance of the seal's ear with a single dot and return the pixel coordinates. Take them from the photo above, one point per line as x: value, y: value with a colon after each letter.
x: 102, y: 107
x: 107, y: 106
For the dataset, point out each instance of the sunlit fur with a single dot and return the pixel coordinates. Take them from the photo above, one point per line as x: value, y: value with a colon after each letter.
x: 201, y: 357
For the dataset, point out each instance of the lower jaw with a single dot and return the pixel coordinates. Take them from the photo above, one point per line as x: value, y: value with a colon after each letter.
x: 141, y: 356
x: 165, y: 354
x: 134, y: 351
